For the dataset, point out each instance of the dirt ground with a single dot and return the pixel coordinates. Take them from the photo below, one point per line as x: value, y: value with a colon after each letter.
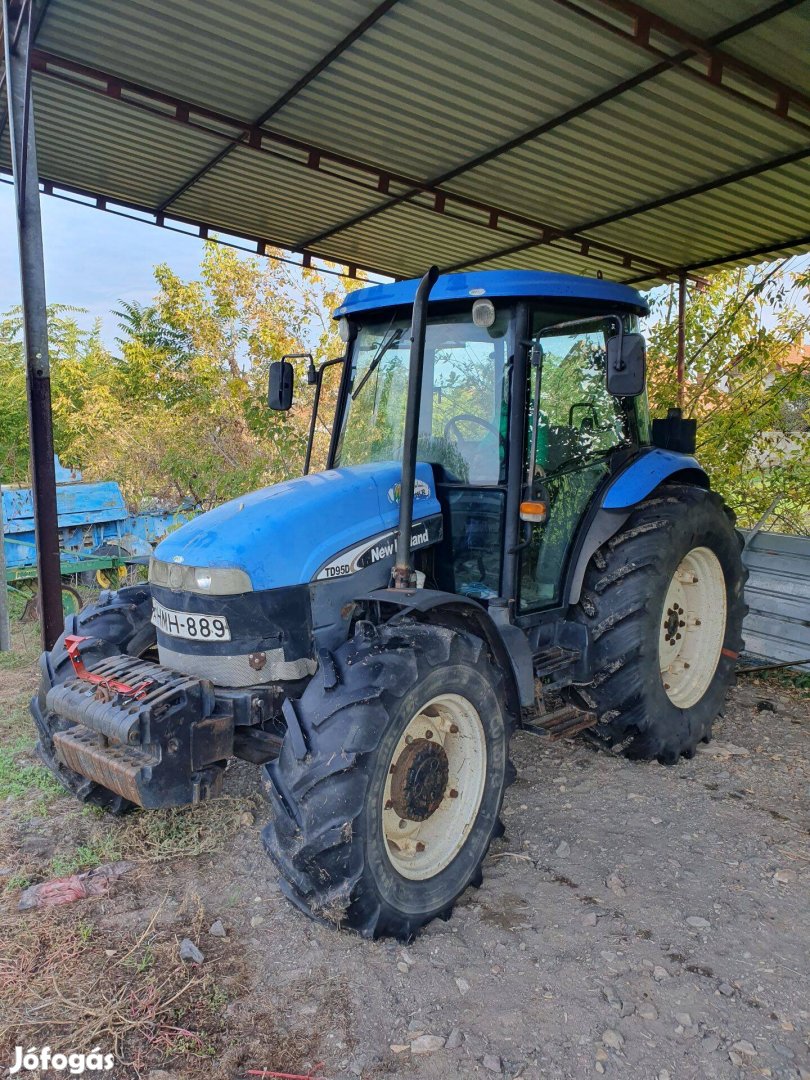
x: 634, y: 922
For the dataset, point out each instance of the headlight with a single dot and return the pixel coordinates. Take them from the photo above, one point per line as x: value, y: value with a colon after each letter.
x: 205, y: 580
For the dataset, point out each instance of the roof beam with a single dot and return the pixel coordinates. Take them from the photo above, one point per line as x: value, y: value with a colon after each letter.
x: 663, y: 65
x: 718, y: 62
x: 146, y: 216
x: 771, y: 248
x: 652, y: 204
x: 169, y: 109
x: 287, y: 96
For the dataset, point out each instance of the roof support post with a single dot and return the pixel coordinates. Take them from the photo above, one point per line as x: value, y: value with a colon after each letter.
x: 17, y: 47
x: 681, y: 354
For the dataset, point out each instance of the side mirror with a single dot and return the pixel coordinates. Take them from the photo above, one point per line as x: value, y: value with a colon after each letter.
x: 280, y: 386
x: 626, y: 365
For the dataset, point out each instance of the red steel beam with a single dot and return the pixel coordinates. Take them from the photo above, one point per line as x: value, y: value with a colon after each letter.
x: 653, y: 204
x: 210, y: 122
x: 300, y: 84
x: 717, y: 62
x: 169, y: 221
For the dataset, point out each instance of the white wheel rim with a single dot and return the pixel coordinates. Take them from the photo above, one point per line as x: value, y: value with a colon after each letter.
x: 440, y: 761
x: 693, y: 627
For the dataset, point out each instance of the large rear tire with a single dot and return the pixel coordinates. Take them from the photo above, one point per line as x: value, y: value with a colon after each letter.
x: 388, y: 789
x: 663, y: 600
x: 118, y: 623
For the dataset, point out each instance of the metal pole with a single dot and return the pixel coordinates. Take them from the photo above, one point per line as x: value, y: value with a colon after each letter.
x: 403, y: 571
x: 17, y: 47
x: 5, y: 632
x: 681, y: 336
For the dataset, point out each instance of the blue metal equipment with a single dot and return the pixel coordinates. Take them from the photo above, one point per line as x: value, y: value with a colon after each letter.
x: 98, y: 536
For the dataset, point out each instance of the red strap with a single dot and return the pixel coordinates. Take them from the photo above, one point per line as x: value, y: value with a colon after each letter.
x: 72, y: 643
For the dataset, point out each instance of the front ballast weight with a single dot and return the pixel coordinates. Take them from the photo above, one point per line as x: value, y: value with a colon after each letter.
x: 120, y: 730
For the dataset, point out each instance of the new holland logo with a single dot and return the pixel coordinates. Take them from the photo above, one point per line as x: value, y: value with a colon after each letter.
x: 379, y: 549
x: 420, y: 491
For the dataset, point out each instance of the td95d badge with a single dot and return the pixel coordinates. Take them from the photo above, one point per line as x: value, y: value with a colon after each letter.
x: 379, y: 548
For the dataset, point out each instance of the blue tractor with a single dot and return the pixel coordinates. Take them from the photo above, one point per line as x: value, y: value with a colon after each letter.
x: 501, y: 540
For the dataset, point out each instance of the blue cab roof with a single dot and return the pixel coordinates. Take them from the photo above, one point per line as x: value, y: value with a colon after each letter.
x: 494, y: 283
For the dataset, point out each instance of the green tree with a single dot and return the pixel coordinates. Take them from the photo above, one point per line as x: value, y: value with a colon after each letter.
x: 179, y: 411
x: 744, y: 387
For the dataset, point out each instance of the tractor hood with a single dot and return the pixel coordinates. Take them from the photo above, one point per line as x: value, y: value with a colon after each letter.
x: 283, y: 535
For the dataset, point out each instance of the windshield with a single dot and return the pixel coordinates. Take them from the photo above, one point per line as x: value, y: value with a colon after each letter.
x: 463, y: 414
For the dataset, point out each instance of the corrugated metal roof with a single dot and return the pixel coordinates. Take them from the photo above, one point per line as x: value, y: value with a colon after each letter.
x: 549, y: 134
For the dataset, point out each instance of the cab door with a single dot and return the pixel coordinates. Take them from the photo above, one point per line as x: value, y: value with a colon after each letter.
x: 580, y: 428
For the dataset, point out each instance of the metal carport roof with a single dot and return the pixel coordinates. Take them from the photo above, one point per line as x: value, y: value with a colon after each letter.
x: 589, y: 136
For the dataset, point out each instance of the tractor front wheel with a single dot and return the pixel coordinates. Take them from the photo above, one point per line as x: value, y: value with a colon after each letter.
x: 389, y: 785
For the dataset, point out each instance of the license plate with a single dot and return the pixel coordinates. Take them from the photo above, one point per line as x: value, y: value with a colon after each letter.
x: 190, y: 625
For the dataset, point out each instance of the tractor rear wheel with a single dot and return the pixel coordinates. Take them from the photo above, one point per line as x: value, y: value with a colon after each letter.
x: 119, y: 622
x: 390, y: 781
x: 663, y: 600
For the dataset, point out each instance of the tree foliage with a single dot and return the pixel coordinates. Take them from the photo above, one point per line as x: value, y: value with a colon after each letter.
x: 745, y: 386
x: 178, y: 410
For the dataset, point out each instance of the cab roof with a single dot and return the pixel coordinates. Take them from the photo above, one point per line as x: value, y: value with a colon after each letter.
x: 496, y: 283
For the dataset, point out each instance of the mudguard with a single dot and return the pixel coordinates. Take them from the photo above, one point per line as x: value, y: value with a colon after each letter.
x: 508, y: 643
x: 641, y: 477
x: 646, y: 472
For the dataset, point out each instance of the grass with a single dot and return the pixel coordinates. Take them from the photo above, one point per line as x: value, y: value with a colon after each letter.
x: 66, y: 979
x: 184, y: 832
x: 102, y: 847
x: 19, y: 776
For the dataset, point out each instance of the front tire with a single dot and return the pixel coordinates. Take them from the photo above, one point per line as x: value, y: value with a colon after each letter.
x: 663, y: 601
x: 387, y: 793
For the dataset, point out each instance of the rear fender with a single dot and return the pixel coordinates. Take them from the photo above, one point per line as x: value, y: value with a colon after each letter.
x: 641, y: 477
x: 508, y: 643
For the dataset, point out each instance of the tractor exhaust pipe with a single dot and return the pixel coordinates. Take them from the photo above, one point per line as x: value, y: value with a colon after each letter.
x: 404, y: 577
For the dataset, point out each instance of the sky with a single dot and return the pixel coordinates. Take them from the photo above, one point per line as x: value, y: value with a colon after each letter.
x: 94, y: 259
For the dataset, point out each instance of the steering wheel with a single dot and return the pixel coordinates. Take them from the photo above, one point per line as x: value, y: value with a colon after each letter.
x: 451, y: 427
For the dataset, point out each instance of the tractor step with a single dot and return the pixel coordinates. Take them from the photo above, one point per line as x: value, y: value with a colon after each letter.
x: 562, y: 723
x: 552, y: 659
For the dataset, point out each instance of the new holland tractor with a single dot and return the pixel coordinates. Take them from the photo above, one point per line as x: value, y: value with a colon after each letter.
x: 501, y: 540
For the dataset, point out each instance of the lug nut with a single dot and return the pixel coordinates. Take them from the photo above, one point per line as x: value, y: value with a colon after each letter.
x: 402, y: 823
x: 453, y: 793
x: 420, y: 846
x: 428, y: 734
x: 454, y: 729
x: 389, y: 804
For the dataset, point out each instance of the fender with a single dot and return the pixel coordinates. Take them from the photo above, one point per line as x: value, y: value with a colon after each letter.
x: 509, y: 644
x: 638, y: 480
x: 646, y: 472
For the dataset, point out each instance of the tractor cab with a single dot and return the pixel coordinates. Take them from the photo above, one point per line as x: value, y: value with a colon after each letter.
x: 516, y: 395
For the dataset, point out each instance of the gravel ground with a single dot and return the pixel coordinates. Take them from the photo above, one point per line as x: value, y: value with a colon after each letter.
x: 635, y: 921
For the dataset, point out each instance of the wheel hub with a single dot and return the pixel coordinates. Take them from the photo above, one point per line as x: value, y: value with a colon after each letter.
x: 674, y: 622
x: 419, y: 780
x: 692, y: 628
x: 434, y: 786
